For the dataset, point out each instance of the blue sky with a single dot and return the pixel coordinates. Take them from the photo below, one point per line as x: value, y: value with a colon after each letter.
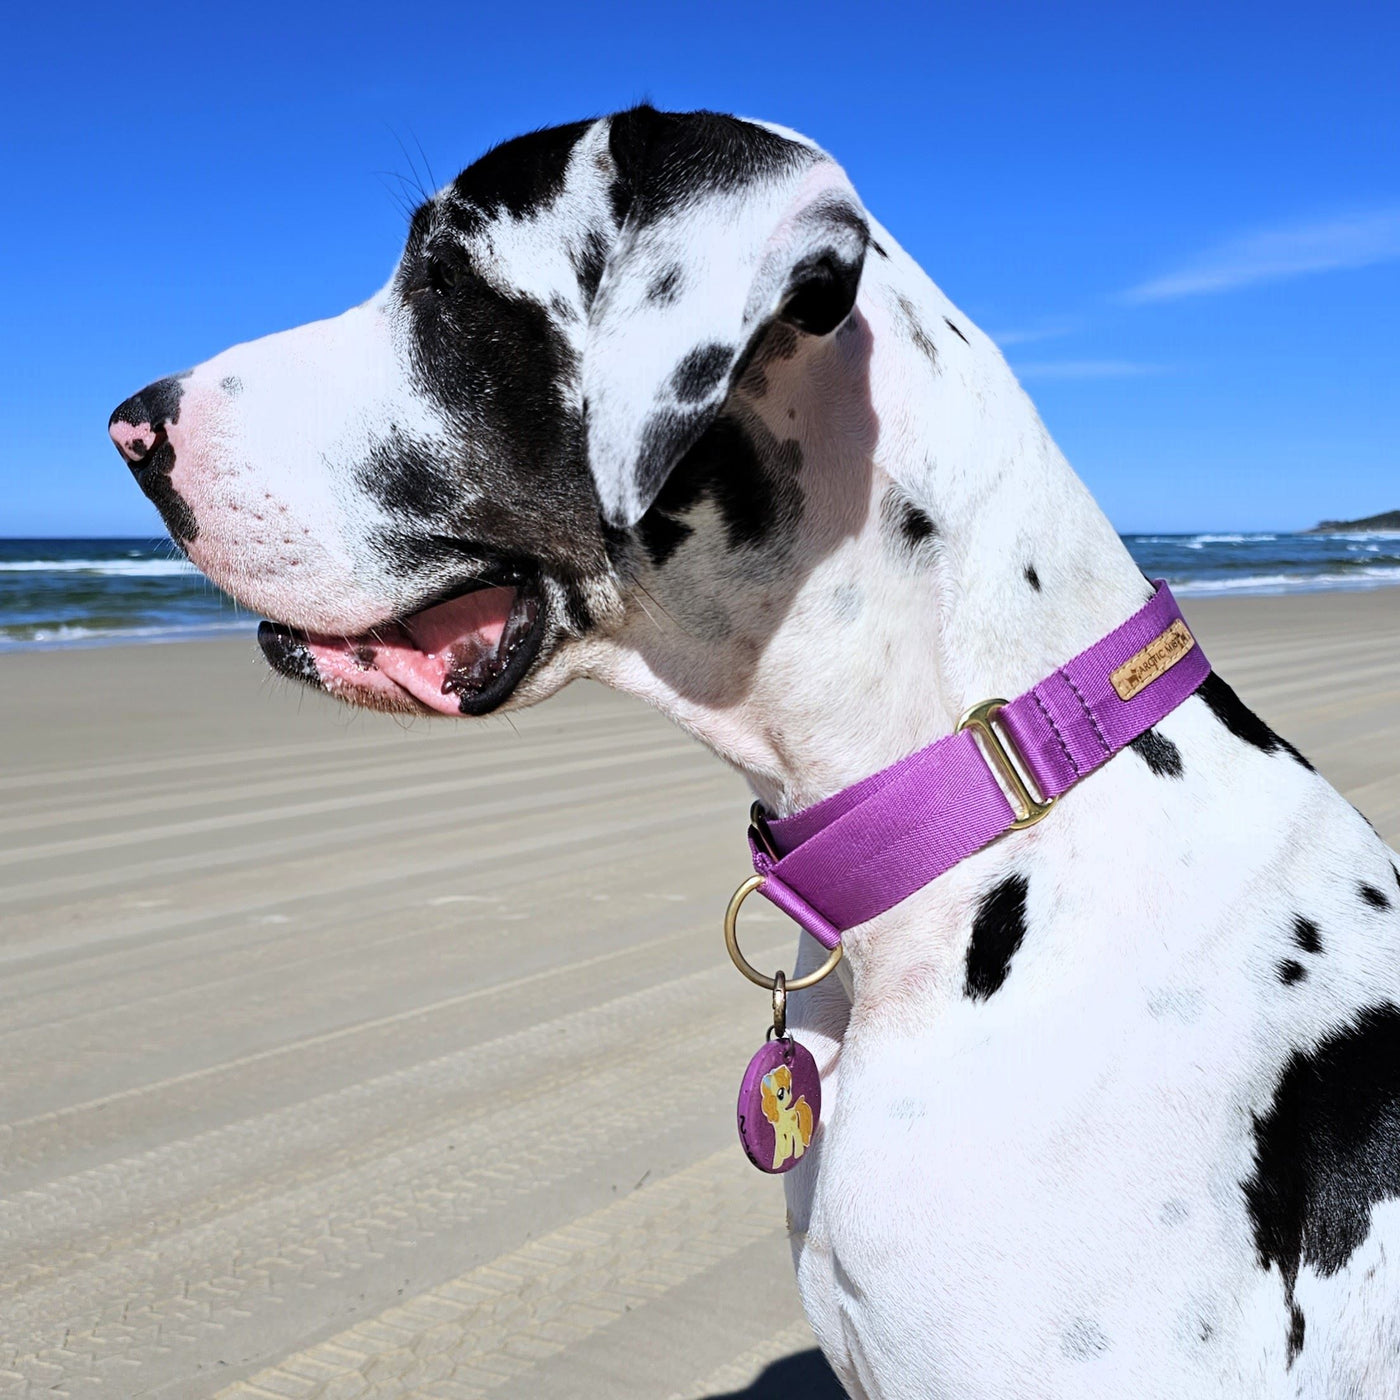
x: 1182, y: 222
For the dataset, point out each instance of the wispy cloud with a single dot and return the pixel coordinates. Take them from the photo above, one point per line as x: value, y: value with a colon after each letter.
x: 1273, y: 254
x: 1044, y: 330
x: 1084, y: 369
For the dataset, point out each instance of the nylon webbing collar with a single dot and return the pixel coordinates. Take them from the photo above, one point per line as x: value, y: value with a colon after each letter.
x: 866, y: 848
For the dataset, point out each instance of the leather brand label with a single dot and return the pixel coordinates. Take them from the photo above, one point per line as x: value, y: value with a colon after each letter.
x: 1155, y: 659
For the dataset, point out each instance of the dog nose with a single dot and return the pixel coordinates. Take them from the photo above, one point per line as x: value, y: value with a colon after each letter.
x: 137, y: 427
x: 135, y: 440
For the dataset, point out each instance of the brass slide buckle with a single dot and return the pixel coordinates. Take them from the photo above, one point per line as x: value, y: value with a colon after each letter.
x: 1008, y: 765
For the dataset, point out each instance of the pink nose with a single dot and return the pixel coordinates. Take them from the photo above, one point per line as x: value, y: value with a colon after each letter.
x: 135, y: 441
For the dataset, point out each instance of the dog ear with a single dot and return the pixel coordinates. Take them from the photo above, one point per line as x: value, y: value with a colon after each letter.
x: 726, y: 227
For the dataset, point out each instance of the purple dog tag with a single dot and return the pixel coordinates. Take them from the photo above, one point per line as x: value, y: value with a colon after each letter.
x: 780, y: 1101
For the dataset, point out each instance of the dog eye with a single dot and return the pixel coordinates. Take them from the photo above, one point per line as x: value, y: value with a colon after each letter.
x: 436, y: 273
x: 444, y: 273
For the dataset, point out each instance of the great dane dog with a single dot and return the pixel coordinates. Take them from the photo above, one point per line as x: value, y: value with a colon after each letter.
x: 1113, y: 1107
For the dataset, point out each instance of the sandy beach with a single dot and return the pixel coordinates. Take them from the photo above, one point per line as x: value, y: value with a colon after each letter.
x: 345, y: 1058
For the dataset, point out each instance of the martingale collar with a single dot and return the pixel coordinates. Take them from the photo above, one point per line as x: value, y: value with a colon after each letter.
x: 864, y: 849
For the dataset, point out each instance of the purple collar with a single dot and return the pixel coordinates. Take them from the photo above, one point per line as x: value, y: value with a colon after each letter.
x: 864, y: 849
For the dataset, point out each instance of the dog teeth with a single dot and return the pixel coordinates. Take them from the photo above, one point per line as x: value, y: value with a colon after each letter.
x: 476, y: 673
x: 468, y: 678
x: 485, y: 667
x: 480, y: 673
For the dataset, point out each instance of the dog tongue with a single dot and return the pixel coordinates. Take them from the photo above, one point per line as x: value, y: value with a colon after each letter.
x: 434, y: 654
x: 478, y: 619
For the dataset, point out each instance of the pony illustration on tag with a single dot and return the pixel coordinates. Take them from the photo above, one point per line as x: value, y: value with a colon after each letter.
x: 792, y: 1121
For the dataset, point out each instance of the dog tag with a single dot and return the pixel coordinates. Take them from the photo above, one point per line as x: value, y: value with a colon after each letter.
x: 780, y: 1101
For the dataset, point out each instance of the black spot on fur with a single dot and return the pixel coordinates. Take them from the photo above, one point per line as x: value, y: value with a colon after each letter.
x: 756, y: 493
x: 1297, y: 1325
x: 664, y: 159
x: 1377, y: 899
x: 1032, y: 577
x: 1084, y: 1339
x: 1327, y: 1150
x: 1291, y: 971
x: 661, y: 535
x: 904, y: 521
x: 957, y: 332
x: 521, y: 175
x: 488, y: 356
x: 700, y: 373
x: 878, y: 249
x: 915, y: 525
x: 589, y: 262
x: 1241, y: 721
x: 153, y: 477
x: 666, y: 436
x: 922, y: 341
x: 405, y: 478
x: 997, y: 932
x: 1159, y: 754
x: 664, y: 288
x: 1306, y: 934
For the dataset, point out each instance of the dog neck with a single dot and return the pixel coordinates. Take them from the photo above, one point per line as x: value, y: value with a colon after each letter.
x: 943, y: 553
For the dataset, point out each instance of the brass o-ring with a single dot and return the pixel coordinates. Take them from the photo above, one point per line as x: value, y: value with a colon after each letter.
x: 731, y: 941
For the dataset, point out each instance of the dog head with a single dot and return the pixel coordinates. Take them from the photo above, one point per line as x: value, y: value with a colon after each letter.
x: 443, y: 499
x: 775, y: 1093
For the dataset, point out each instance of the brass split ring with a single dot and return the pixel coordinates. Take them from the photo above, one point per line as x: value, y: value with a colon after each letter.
x: 731, y: 941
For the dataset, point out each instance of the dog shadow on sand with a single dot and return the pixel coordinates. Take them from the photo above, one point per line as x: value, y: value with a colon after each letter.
x: 804, y: 1376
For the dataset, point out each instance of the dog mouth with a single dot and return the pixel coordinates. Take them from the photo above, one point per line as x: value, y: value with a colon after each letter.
x: 463, y: 656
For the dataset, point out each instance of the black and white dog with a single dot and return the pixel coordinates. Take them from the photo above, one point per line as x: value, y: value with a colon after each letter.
x: 1113, y: 1108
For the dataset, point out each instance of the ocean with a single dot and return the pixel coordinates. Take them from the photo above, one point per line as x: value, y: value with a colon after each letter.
x: 56, y: 593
